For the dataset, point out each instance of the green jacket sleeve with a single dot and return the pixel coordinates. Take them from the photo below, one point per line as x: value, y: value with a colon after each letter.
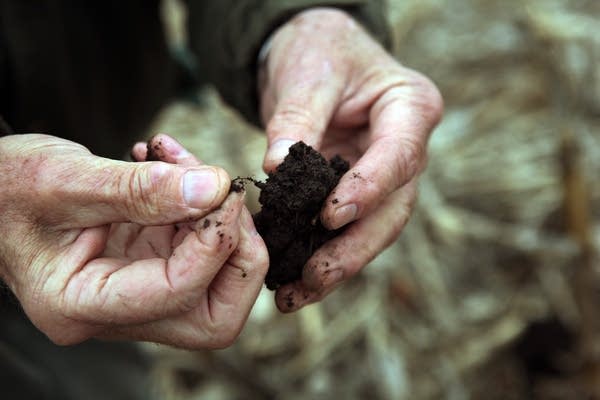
x: 226, y: 36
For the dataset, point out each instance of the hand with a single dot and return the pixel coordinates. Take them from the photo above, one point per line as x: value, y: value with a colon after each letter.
x: 328, y: 83
x: 94, y: 247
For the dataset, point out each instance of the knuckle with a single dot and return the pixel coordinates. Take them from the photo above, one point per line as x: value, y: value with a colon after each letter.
x: 396, y: 226
x: 189, y: 300
x: 291, y: 116
x: 430, y: 100
x: 411, y: 157
x: 259, y: 259
x: 262, y: 262
x: 371, y: 190
x: 404, y: 202
x: 223, y: 334
x: 137, y: 189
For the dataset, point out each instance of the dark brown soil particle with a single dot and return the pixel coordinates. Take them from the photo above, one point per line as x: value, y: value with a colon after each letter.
x: 154, y: 152
x: 237, y: 185
x: 291, y: 199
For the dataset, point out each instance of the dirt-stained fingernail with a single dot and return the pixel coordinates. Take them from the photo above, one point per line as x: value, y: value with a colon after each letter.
x: 344, y: 215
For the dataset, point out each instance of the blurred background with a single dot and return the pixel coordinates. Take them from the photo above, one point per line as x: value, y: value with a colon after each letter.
x: 493, y: 289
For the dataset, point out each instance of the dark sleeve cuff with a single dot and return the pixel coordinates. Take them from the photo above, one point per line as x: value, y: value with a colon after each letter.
x: 227, y: 35
x: 5, y: 129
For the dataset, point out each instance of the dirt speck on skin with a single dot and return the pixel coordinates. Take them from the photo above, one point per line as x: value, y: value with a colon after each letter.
x: 155, y: 151
x: 238, y: 184
x: 291, y: 199
x: 289, y: 301
x: 206, y: 224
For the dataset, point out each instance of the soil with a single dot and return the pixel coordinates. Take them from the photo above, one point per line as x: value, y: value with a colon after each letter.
x: 155, y: 151
x: 292, y: 198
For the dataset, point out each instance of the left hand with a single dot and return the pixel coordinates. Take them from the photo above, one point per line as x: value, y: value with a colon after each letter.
x: 328, y: 83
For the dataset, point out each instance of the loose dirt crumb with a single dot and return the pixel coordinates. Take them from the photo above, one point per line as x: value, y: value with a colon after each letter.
x: 238, y: 184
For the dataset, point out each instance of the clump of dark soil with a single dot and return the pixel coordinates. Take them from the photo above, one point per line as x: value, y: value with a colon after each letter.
x: 292, y: 198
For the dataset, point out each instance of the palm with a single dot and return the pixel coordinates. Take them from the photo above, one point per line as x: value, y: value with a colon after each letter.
x: 130, y: 241
x: 349, y: 143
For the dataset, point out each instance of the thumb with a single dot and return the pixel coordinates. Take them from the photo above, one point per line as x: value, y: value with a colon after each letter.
x: 303, y: 110
x: 148, y: 193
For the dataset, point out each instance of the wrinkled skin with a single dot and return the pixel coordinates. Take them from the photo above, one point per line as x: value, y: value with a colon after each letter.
x: 328, y: 83
x: 100, y: 248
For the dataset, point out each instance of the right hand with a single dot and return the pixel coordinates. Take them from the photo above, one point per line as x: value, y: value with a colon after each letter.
x: 94, y: 247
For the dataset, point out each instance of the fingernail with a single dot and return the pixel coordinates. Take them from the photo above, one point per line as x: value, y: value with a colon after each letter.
x: 344, y: 215
x: 279, y: 150
x: 200, y: 187
x: 174, y: 147
x: 181, y: 153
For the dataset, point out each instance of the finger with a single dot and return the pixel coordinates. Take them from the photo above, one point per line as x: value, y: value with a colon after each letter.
x: 400, y: 128
x: 139, y: 151
x: 218, y: 321
x: 163, y: 147
x: 342, y: 257
x: 100, y: 191
x: 306, y: 101
x: 237, y: 284
x: 108, y: 290
x: 167, y: 149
